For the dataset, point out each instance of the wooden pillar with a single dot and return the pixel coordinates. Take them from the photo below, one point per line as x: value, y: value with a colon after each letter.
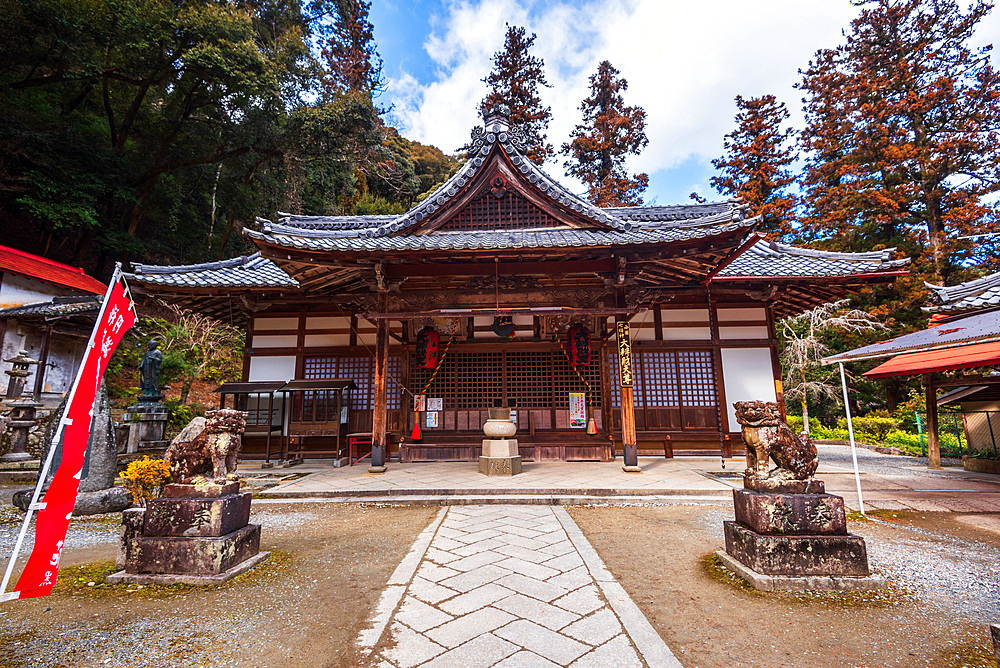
x: 42, y: 363
x: 380, y: 410
x: 933, y: 447
x: 248, y: 348
x: 623, y: 338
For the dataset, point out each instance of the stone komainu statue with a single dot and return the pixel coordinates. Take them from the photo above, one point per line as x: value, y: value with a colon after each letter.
x: 767, y: 437
x: 210, y: 454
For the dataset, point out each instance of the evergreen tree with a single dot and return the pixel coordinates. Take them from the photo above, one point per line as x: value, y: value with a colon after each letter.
x: 352, y: 62
x: 609, y: 133
x: 901, y: 136
x: 755, y: 166
x: 514, y: 81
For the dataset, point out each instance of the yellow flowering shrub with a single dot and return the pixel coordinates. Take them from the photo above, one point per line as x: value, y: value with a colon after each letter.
x: 144, y: 479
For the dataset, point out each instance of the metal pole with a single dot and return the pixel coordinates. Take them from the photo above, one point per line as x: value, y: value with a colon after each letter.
x: 850, y: 432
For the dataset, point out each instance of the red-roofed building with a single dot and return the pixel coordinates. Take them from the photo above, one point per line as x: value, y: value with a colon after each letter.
x: 46, y: 308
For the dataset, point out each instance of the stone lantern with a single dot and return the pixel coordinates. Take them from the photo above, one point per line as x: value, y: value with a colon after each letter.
x: 22, y: 417
x: 500, y: 455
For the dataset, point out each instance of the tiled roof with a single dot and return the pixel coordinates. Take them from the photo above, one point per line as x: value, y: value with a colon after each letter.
x: 48, y: 271
x: 241, y: 272
x: 969, y: 296
x: 58, y: 307
x: 644, y: 214
x: 562, y: 237
x: 973, y: 329
x: 771, y: 259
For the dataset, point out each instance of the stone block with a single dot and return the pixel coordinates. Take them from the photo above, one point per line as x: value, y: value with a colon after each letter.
x: 192, y: 556
x: 804, y: 583
x: 791, y: 514
x: 131, y: 530
x: 797, y: 555
x: 200, y: 517
x: 779, y: 486
x: 111, y: 500
x: 500, y: 465
x: 503, y: 447
x: 201, y: 490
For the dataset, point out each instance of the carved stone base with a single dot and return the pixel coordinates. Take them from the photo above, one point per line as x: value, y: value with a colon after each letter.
x: 791, y: 514
x: 193, y: 556
x: 124, y: 577
x: 797, y: 555
x: 500, y: 465
x: 196, y: 517
x: 197, y: 531
x: 200, y: 490
x: 806, y: 583
x: 779, y: 486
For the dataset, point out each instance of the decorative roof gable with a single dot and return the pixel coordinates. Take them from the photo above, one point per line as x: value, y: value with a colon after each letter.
x: 497, y: 169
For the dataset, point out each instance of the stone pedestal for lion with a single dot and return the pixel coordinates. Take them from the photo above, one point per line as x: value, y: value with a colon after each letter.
x: 198, y: 532
x: 500, y: 454
x: 789, y: 533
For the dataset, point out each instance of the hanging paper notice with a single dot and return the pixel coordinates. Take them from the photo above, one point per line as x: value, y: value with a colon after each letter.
x: 432, y: 419
x: 419, y: 403
x: 577, y: 410
x: 435, y: 404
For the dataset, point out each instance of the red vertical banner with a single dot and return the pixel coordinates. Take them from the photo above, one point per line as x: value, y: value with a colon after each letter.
x: 54, y: 512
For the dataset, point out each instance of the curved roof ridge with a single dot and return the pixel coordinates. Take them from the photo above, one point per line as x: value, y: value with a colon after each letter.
x: 950, y: 293
x: 884, y: 255
x: 138, y: 268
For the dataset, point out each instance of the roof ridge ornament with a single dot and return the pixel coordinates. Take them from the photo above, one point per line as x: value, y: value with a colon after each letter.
x: 496, y: 127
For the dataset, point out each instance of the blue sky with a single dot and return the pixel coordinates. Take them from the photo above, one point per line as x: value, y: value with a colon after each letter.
x: 684, y: 61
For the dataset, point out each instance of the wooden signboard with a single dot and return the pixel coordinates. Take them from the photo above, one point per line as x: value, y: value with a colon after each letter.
x: 624, y: 354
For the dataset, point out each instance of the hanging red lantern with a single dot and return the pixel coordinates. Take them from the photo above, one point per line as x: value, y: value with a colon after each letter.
x: 428, y: 344
x: 578, y: 342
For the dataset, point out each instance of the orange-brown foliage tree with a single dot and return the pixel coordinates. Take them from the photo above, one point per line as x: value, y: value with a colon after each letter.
x: 514, y: 81
x: 755, y: 166
x: 901, y: 138
x: 609, y: 133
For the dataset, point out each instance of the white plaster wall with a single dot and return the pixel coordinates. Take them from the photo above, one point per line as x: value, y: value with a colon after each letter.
x: 275, y: 341
x: 741, y: 314
x: 17, y: 291
x: 263, y: 323
x: 643, y: 326
x: 744, y: 332
x: 320, y: 340
x: 747, y: 375
x: 687, y: 333
x: 684, y: 315
x: 328, y: 322
x: 272, y: 368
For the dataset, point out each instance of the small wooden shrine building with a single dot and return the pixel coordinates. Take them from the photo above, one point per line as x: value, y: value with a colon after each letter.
x: 501, y: 261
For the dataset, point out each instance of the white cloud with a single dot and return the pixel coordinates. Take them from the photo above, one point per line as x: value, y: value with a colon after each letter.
x: 684, y: 61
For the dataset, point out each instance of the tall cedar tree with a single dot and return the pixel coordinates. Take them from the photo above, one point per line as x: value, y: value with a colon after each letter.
x: 610, y: 131
x: 755, y: 166
x: 902, y: 136
x: 352, y: 62
x: 514, y: 81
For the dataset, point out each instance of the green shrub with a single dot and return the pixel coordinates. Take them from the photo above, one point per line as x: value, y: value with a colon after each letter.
x: 179, y: 415
x: 794, y: 422
x: 874, y: 427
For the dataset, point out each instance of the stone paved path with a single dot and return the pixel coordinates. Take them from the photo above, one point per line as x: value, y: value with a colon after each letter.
x: 511, y: 587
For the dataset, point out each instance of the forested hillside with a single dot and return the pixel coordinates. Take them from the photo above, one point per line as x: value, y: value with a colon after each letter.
x: 153, y: 130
